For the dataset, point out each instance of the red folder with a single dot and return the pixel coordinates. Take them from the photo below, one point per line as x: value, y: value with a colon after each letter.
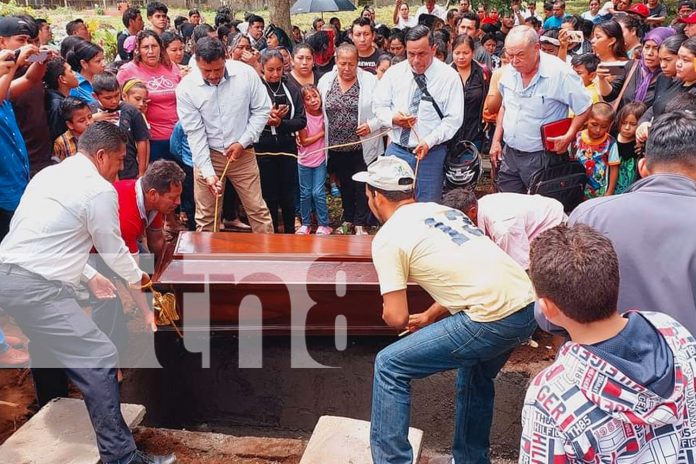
x: 554, y: 129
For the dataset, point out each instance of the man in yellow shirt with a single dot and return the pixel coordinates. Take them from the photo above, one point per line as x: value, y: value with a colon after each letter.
x: 485, y: 293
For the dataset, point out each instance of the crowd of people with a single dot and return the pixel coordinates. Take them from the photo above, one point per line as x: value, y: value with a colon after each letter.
x: 200, y: 125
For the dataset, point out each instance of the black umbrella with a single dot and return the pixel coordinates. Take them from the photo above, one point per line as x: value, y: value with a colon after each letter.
x: 316, y: 6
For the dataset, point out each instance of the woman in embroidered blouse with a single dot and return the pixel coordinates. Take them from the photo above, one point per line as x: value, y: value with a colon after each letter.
x: 346, y: 94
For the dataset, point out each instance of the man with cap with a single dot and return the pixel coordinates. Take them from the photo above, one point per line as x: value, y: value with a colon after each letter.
x: 14, y: 160
x: 486, y: 296
x: 689, y: 24
x: 27, y: 91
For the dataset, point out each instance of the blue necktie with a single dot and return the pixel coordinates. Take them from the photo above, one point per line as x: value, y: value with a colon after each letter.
x: 413, y: 107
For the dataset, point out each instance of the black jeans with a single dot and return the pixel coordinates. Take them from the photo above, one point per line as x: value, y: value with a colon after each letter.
x: 279, y: 188
x: 345, y: 164
x: 63, y: 338
x: 5, y: 218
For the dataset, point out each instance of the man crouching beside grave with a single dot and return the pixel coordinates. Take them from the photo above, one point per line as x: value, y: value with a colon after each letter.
x: 485, y: 293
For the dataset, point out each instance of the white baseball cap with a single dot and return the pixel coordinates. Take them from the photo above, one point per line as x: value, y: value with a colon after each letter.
x: 388, y: 173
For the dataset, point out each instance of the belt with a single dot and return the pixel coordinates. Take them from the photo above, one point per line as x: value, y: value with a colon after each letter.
x: 10, y: 268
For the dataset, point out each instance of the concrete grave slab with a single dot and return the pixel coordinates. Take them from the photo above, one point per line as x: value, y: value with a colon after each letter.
x: 340, y: 440
x: 60, y: 433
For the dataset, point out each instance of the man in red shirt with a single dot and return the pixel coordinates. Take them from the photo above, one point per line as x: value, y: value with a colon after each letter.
x: 143, y: 203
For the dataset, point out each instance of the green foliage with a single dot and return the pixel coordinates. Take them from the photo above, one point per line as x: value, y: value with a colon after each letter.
x: 11, y: 8
x: 105, y: 36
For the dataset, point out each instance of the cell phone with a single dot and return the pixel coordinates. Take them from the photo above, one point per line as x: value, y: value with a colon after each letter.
x: 38, y: 58
x: 14, y: 56
x: 576, y: 36
x: 280, y: 100
x: 614, y: 69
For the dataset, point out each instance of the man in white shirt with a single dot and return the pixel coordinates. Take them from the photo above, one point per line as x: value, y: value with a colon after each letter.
x: 432, y: 8
x: 67, y: 210
x: 223, y: 110
x: 511, y: 220
x: 421, y: 99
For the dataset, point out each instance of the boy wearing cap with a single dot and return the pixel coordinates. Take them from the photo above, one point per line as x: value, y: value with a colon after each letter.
x: 622, y: 390
x: 487, y: 296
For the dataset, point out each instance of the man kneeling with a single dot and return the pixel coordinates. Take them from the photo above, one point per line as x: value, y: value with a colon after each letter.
x: 622, y: 390
x: 487, y: 296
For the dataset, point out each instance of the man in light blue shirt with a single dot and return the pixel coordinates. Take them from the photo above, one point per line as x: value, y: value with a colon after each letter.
x: 421, y: 121
x: 537, y: 89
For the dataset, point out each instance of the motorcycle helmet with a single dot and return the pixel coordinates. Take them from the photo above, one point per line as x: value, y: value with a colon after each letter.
x: 463, y: 167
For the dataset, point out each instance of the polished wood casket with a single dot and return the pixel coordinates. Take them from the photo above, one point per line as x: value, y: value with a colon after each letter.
x: 277, y: 283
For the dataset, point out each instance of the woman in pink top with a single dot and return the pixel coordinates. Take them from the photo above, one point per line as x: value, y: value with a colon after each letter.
x: 151, y: 66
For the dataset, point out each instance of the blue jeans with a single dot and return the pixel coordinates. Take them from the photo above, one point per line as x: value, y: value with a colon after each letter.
x: 159, y: 149
x: 478, y: 350
x: 312, y: 193
x: 431, y: 170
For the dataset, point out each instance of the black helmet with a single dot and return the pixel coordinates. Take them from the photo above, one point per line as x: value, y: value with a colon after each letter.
x: 463, y: 166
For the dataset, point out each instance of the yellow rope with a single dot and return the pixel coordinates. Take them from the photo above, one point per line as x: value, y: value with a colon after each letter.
x: 281, y: 153
x: 164, y: 307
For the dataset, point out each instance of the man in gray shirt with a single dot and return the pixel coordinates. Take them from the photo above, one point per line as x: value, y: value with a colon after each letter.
x: 653, y: 225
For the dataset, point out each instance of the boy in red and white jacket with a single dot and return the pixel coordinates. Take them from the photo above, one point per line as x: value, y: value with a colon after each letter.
x: 622, y: 390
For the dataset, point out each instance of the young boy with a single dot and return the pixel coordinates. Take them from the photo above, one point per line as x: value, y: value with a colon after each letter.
x: 58, y: 80
x: 107, y: 91
x: 622, y: 390
x: 78, y: 117
x: 598, y: 153
x: 585, y: 66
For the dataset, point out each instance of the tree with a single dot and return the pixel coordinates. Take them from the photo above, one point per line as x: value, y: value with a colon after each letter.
x: 280, y: 14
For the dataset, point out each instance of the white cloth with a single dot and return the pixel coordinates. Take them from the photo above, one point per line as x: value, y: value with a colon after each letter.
x: 438, y: 11
x: 513, y: 220
x: 367, y: 82
x: 65, y: 211
x: 216, y: 116
x: 410, y: 22
x: 395, y: 90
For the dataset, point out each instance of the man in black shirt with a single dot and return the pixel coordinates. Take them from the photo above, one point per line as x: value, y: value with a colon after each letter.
x: 363, y: 35
x: 133, y: 21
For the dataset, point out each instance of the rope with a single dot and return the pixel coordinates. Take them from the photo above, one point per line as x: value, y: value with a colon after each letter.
x: 282, y: 153
x: 164, y: 307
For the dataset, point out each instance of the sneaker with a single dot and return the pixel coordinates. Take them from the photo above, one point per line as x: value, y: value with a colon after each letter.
x: 335, y: 192
x: 302, y: 230
x: 441, y: 460
x: 138, y: 457
x: 360, y: 230
x: 344, y: 229
x: 324, y: 230
x: 14, y: 357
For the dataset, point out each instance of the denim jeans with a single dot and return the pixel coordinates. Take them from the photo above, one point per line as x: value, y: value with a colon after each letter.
x: 478, y: 350
x: 313, y: 194
x: 431, y: 170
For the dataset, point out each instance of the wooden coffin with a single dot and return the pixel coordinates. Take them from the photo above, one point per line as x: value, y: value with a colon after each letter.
x: 277, y: 283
